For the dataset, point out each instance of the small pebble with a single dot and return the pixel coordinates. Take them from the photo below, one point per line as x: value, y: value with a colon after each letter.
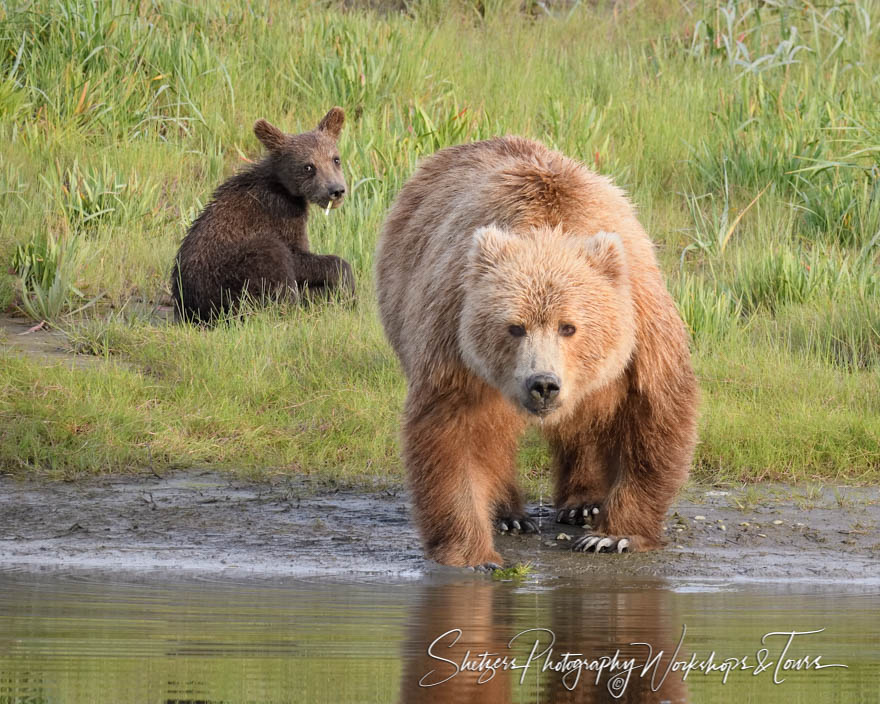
x: 761, y: 535
x: 777, y: 522
x: 563, y: 536
x: 699, y: 518
x: 745, y: 524
x: 722, y: 527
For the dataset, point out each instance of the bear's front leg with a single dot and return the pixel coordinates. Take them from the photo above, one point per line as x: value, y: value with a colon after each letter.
x: 581, y: 482
x: 320, y: 274
x: 459, y: 455
x: 650, y: 449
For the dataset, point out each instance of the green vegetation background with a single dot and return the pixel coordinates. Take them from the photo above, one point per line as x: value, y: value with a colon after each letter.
x: 747, y: 133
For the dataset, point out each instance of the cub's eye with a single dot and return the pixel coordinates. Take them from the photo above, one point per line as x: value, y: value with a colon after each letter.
x: 336, y: 160
x: 516, y: 330
x: 309, y: 168
x: 566, y: 330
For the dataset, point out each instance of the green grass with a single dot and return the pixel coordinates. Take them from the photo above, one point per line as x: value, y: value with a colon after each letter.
x: 514, y: 573
x: 746, y: 133
x: 303, y: 391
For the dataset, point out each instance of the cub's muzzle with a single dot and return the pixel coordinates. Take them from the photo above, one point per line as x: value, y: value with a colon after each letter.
x: 335, y: 194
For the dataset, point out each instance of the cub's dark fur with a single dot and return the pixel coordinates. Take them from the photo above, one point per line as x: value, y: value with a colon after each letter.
x: 252, y: 235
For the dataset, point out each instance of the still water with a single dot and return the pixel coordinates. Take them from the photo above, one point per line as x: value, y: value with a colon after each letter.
x: 110, y: 638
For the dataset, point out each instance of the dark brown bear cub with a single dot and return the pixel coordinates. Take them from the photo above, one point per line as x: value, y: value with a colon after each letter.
x: 252, y: 235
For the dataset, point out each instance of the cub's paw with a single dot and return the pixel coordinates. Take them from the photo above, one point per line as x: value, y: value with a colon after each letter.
x: 519, y: 523
x: 601, y: 543
x: 578, y: 515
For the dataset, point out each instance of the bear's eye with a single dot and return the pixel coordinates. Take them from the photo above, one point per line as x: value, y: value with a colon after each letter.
x: 566, y: 330
x: 336, y: 160
x: 309, y: 168
x: 516, y: 330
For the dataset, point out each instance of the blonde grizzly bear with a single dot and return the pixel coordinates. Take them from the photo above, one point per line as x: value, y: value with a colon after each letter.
x: 516, y: 286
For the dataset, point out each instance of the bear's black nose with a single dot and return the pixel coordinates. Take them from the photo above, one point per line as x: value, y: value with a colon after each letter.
x: 543, y: 387
x: 337, y: 191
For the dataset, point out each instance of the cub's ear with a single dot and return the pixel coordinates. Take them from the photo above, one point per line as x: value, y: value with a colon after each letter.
x: 271, y: 137
x: 332, y: 122
x: 604, y: 250
x: 489, y: 244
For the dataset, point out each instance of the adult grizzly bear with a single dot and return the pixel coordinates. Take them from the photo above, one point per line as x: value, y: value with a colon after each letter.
x: 252, y: 235
x: 516, y: 285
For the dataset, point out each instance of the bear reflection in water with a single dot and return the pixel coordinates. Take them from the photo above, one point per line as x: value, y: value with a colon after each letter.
x: 436, y: 654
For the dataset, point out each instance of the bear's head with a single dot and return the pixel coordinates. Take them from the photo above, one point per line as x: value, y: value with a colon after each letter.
x: 307, y: 164
x: 547, y: 317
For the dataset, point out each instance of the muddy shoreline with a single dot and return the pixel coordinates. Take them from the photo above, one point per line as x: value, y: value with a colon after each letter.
x: 207, y: 522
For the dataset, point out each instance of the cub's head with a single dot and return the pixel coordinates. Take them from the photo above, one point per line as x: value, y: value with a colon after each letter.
x: 307, y: 164
x: 547, y: 317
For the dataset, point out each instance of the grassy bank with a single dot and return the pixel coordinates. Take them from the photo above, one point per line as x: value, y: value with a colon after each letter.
x: 747, y: 133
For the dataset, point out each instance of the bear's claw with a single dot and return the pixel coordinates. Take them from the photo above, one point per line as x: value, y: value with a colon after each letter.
x: 521, y: 524
x: 578, y: 516
x: 487, y: 567
x: 600, y: 543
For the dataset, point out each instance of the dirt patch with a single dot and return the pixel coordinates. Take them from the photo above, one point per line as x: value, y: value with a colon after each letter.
x: 209, y: 522
x: 40, y: 341
x: 24, y: 336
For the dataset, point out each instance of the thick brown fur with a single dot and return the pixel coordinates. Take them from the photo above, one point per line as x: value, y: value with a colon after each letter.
x: 253, y: 237
x: 501, y: 258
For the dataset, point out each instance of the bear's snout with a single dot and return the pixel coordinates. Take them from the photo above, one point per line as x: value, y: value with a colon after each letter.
x: 543, y: 389
x: 335, y: 191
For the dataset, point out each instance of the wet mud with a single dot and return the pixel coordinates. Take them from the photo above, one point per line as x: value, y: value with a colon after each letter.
x: 38, y: 341
x: 210, y: 522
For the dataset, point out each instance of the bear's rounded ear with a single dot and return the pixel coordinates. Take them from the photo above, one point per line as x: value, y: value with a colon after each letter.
x: 271, y: 137
x: 605, y: 253
x: 332, y: 122
x: 489, y: 243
